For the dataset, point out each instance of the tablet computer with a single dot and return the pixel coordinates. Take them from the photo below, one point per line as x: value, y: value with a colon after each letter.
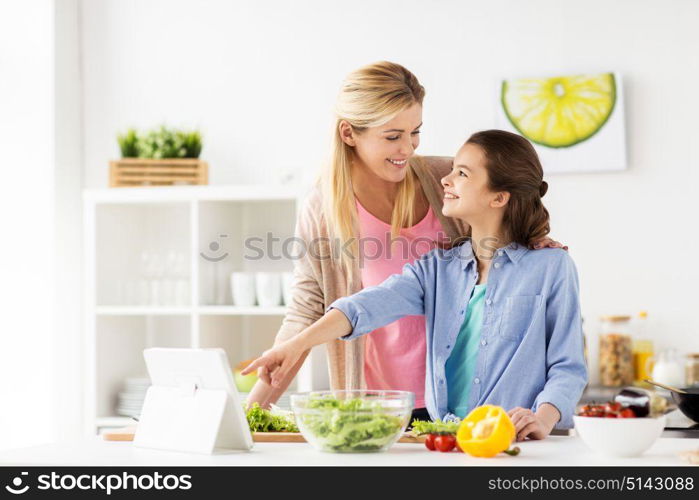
x: 193, y: 404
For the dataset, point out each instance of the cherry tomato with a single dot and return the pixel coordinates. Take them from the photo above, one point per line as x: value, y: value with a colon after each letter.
x: 612, y: 407
x: 596, y: 412
x: 627, y: 413
x: 610, y: 414
x: 429, y: 442
x: 445, y: 442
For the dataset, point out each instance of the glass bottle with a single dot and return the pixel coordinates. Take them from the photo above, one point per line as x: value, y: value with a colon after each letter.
x: 668, y: 368
x: 642, y: 350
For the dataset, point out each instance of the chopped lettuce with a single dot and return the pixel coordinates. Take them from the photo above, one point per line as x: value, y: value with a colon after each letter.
x: 261, y: 420
x: 351, y: 425
x: 437, y: 427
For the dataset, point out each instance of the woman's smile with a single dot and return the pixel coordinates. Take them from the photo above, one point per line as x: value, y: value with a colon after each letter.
x: 398, y: 163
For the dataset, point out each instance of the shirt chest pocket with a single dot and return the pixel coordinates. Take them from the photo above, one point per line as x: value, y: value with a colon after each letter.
x: 518, y: 314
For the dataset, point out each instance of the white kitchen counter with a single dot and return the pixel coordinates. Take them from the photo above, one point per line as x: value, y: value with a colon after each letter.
x: 553, y: 451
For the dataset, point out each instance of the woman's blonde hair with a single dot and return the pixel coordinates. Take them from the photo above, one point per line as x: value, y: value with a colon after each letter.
x: 369, y: 97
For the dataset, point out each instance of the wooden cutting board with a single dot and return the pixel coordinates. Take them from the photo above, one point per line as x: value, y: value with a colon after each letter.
x: 127, y: 433
x: 278, y: 437
x: 123, y: 434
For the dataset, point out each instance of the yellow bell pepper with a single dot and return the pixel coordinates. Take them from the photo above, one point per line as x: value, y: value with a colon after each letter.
x: 486, y: 431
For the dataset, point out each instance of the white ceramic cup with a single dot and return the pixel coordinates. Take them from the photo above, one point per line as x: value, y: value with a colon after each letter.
x: 287, y: 284
x: 243, y: 289
x: 269, y: 289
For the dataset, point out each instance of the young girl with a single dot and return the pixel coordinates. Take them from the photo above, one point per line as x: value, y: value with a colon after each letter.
x: 503, y: 322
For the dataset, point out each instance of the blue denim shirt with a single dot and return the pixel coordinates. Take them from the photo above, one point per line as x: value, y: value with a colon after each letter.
x: 531, y: 348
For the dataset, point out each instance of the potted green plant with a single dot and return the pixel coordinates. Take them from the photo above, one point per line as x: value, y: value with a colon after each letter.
x: 158, y: 157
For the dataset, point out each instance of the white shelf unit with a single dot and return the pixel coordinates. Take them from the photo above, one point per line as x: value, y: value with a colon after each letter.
x: 122, y: 223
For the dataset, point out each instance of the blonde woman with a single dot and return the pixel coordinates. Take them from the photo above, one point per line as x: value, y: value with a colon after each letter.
x: 376, y: 207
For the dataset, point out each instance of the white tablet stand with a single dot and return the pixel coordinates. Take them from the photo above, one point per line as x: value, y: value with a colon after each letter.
x: 193, y: 405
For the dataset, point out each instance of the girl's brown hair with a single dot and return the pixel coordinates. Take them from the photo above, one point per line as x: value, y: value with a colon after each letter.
x: 514, y: 166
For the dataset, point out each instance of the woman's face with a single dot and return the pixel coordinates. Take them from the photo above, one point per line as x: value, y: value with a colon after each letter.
x: 466, y: 193
x: 385, y: 150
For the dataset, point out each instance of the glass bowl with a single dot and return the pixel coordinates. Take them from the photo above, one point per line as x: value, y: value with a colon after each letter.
x: 352, y: 421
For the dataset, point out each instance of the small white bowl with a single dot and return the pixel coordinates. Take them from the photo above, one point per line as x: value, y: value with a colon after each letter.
x: 619, y: 437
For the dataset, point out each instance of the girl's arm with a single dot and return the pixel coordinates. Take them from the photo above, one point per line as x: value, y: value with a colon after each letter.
x: 400, y: 295
x: 565, y: 360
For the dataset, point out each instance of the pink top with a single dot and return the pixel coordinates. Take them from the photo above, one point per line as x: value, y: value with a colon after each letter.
x: 395, y: 354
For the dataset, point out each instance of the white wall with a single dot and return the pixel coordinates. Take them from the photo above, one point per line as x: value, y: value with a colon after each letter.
x: 40, y: 207
x: 68, y: 361
x: 26, y: 208
x: 259, y: 79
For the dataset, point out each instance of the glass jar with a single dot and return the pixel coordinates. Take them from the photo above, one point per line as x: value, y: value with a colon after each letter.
x: 692, y: 370
x: 668, y: 368
x: 616, y: 367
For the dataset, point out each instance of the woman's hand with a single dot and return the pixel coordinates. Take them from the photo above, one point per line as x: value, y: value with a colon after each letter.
x: 548, y: 243
x: 275, y: 363
x: 529, y: 424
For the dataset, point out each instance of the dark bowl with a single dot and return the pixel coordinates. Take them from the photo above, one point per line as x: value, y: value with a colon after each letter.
x: 688, y: 403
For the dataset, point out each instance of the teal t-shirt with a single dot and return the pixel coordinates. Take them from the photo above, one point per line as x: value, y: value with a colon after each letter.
x: 462, y: 360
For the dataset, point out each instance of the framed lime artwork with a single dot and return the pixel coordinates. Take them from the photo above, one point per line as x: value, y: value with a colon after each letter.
x: 576, y: 122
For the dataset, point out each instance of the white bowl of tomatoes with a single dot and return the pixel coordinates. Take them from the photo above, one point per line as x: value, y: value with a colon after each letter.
x: 617, y: 430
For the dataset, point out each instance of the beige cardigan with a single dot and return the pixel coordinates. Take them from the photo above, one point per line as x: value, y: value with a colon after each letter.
x: 320, y: 280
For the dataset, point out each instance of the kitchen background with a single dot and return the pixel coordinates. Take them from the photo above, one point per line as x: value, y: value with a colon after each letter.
x: 258, y: 79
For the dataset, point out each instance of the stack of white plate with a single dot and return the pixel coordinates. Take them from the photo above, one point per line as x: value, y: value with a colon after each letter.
x: 131, y: 399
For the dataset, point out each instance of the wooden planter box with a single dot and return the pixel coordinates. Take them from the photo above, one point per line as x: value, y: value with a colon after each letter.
x: 129, y: 172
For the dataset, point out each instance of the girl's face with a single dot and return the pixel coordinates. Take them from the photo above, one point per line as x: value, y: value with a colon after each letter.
x: 466, y: 193
x: 385, y: 150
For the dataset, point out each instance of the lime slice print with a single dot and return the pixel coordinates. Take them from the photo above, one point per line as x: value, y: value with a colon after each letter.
x: 561, y: 111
